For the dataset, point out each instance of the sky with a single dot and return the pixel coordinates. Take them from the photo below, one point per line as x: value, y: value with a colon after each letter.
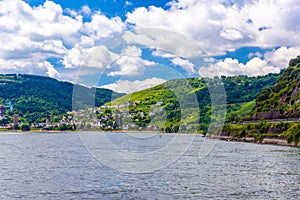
x: 131, y: 45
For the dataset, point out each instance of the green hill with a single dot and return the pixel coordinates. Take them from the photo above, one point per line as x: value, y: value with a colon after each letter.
x: 283, y: 100
x: 35, y: 98
x: 174, y: 101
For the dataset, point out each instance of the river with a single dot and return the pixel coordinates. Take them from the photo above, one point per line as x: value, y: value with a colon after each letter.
x: 62, y: 166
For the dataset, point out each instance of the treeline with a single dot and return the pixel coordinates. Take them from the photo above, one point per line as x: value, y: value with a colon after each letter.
x: 282, y: 130
x: 188, y: 101
x: 284, y: 97
x: 36, y: 98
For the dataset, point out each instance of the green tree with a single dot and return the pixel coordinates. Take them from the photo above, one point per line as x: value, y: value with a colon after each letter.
x: 25, y: 127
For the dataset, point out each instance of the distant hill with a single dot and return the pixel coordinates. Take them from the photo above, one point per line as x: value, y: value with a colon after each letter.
x: 241, y: 92
x: 282, y: 100
x: 35, y: 98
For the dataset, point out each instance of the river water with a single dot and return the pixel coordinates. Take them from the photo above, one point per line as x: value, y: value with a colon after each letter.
x: 60, y: 166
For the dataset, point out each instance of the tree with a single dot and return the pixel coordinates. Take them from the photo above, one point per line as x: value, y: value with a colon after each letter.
x: 4, y: 121
x: 264, y: 95
x: 25, y: 127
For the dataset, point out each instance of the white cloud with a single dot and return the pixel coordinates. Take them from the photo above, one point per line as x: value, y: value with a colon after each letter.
x: 51, y: 71
x: 218, y: 26
x: 130, y: 62
x: 163, y: 40
x: 185, y: 64
x: 29, y: 36
x: 71, y: 12
x: 86, y: 10
x: 37, y: 23
x: 281, y: 57
x: 101, y: 26
x: 270, y: 62
x: 209, y: 60
x: 163, y: 54
x: 95, y: 57
x: 128, y: 3
x: 29, y: 66
x: 231, y: 34
x: 125, y: 86
x: 232, y: 67
x: 257, y: 66
x: 256, y: 54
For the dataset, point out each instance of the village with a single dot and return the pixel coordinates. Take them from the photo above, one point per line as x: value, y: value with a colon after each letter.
x: 106, y: 118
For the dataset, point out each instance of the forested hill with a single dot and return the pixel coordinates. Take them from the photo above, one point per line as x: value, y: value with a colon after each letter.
x: 241, y: 92
x: 38, y: 97
x: 283, y: 100
x: 238, y: 89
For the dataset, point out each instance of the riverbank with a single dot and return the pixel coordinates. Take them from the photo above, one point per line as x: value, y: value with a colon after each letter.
x: 272, y: 141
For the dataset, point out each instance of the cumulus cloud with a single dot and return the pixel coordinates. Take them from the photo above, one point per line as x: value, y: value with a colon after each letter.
x: 130, y: 62
x: 94, y: 57
x: 163, y: 54
x: 29, y: 36
x: 165, y: 40
x: 270, y: 62
x: 36, y: 24
x: 281, y: 57
x: 232, y: 67
x: 102, y: 26
x: 256, y: 54
x: 218, y: 26
x: 71, y: 12
x: 86, y: 10
x: 185, y: 64
x: 231, y: 34
x: 51, y: 71
x: 133, y: 86
x: 27, y: 66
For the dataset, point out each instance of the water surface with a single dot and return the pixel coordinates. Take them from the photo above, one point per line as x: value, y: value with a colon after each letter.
x: 58, y: 166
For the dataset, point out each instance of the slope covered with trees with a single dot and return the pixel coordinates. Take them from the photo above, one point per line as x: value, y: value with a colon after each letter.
x: 282, y: 100
x: 35, y: 98
x: 177, y: 106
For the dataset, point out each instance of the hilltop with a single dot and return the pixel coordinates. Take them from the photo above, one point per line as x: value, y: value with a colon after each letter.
x: 278, y: 112
x: 173, y: 103
x: 36, y: 98
x: 283, y: 99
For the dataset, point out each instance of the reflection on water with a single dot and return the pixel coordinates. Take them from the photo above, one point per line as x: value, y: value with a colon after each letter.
x: 58, y: 166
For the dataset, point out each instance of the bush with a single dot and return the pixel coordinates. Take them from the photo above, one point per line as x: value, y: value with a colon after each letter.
x: 63, y: 127
x: 293, y: 134
x: 259, y: 137
x: 16, y: 127
x: 240, y: 134
x: 253, y: 132
x: 25, y: 127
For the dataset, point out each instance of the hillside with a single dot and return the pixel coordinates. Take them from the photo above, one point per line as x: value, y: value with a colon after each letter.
x: 35, y: 98
x: 174, y: 101
x: 282, y: 100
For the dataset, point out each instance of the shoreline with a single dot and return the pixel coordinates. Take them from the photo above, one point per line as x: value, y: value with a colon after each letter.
x: 77, y: 131
x: 270, y: 141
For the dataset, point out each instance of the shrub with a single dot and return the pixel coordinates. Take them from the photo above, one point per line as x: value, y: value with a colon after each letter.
x: 25, y: 127
x: 293, y: 134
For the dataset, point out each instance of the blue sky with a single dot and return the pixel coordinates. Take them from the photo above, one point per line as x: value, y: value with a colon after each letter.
x: 130, y: 45
x: 110, y: 8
